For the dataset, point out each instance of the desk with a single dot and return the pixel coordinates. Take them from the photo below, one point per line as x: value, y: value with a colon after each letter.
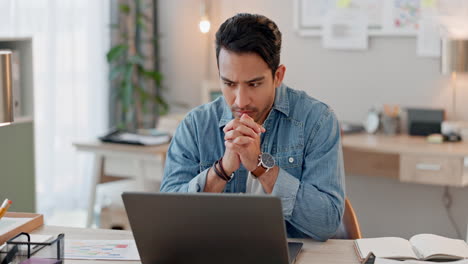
x: 406, y: 158
x: 101, y: 151
x: 330, y: 252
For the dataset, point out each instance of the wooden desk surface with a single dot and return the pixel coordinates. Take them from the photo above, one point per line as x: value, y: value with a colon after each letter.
x: 406, y: 158
x: 330, y: 252
x: 399, y: 144
x: 97, y: 146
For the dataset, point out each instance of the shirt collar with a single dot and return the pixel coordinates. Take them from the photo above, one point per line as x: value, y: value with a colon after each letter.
x: 281, y: 104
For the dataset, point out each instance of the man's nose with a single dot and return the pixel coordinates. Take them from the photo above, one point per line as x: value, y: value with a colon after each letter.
x: 242, y: 97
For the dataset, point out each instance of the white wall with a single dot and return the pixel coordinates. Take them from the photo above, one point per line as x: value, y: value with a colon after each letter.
x: 351, y: 82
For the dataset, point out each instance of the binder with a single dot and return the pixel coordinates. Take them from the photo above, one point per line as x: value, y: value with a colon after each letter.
x: 123, y: 137
x: 20, y: 249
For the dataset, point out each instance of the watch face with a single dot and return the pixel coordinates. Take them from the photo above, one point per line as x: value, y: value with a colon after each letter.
x: 267, y: 160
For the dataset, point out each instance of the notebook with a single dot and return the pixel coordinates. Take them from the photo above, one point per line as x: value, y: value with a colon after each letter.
x: 419, y: 247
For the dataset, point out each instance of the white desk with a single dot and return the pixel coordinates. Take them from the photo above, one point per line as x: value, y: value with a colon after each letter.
x: 139, y: 154
x: 330, y: 252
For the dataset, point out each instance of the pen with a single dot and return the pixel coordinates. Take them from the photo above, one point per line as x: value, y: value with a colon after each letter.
x: 3, y: 209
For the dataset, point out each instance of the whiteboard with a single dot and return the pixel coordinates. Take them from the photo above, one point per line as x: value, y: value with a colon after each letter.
x: 386, y: 17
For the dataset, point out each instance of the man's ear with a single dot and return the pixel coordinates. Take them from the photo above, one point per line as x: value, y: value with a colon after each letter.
x: 279, y: 75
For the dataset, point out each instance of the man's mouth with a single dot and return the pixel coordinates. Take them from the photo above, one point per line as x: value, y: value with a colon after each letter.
x: 244, y: 112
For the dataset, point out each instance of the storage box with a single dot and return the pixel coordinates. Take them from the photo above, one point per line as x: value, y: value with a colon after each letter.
x: 21, y: 250
x: 35, y: 221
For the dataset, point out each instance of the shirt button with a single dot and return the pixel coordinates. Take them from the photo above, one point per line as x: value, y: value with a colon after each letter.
x: 291, y: 159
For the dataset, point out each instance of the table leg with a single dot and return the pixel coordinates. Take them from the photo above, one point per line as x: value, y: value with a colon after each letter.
x: 140, y: 176
x: 98, y: 171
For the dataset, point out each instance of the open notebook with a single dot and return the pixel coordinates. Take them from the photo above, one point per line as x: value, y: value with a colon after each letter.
x: 419, y: 247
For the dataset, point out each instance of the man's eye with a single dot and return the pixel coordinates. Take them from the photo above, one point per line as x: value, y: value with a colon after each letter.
x: 228, y: 84
x: 255, y: 84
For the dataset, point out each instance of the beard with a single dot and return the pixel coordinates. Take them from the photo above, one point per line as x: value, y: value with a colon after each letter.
x: 253, y: 112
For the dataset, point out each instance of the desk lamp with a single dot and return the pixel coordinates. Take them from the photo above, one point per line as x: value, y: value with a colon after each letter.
x: 6, y: 97
x: 454, y: 60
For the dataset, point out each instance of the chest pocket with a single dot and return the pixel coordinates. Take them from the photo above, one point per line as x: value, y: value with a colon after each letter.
x: 291, y: 162
x: 288, y: 146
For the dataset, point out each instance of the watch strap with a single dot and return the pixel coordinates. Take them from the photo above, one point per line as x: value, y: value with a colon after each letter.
x: 259, y: 171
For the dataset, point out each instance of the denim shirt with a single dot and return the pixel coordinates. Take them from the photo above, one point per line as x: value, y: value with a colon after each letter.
x: 302, y: 134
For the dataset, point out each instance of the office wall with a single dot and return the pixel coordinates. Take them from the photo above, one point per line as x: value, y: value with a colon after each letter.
x: 350, y: 81
x: 17, y: 166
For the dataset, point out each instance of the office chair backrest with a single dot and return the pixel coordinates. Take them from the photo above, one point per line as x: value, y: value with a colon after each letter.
x: 349, y: 228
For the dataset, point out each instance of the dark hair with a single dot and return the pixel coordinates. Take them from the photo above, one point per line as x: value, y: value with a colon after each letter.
x: 251, y: 33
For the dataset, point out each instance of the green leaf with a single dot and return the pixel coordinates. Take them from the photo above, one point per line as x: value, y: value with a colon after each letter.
x: 115, y: 52
x: 145, y: 17
x: 127, y: 94
x: 116, y: 72
x: 153, y: 75
x: 144, y: 98
x: 124, y: 8
x: 141, y: 23
x: 136, y: 60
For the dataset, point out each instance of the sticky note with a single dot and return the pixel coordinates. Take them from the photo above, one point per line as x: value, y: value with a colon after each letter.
x: 343, y: 3
x: 428, y: 3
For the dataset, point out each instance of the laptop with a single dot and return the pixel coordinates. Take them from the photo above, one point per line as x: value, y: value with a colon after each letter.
x: 209, y: 228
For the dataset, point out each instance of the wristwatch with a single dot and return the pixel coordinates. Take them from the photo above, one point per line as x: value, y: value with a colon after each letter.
x: 265, y: 163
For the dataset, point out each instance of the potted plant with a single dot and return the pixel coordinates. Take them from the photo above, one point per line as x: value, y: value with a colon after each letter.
x: 135, y: 80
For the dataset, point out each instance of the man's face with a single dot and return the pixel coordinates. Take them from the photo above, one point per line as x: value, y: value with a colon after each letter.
x: 247, y: 84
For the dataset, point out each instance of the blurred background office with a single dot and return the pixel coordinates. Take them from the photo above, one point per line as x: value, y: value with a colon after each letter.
x: 72, y: 80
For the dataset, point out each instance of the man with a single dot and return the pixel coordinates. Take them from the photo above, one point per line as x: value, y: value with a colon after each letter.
x: 261, y: 136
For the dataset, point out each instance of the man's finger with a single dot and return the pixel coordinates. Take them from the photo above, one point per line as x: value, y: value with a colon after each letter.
x: 231, y: 125
x: 232, y: 134
x: 248, y: 121
x: 231, y: 146
x: 246, y: 131
x: 242, y: 140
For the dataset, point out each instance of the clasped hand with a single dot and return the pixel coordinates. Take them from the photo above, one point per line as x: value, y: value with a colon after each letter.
x: 242, y: 141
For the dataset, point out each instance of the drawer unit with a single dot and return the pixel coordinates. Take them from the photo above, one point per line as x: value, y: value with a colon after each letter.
x: 432, y: 169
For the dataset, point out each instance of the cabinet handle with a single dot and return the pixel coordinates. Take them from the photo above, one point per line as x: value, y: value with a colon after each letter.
x: 428, y: 167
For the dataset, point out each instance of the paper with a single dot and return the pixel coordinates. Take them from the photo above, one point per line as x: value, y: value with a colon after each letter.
x: 145, y: 140
x: 386, y: 247
x: 9, y: 223
x: 313, y: 11
x: 453, y: 17
x: 405, y: 15
x: 34, y: 260
x: 428, y: 42
x: 40, y: 238
x: 101, y: 249
x: 430, y: 244
x: 392, y: 261
x: 343, y: 3
x: 345, y: 29
x: 372, y: 9
x: 428, y: 3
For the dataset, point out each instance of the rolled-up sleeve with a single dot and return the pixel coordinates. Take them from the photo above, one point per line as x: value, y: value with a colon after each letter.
x: 286, y: 188
x: 182, y: 168
x: 314, y: 205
